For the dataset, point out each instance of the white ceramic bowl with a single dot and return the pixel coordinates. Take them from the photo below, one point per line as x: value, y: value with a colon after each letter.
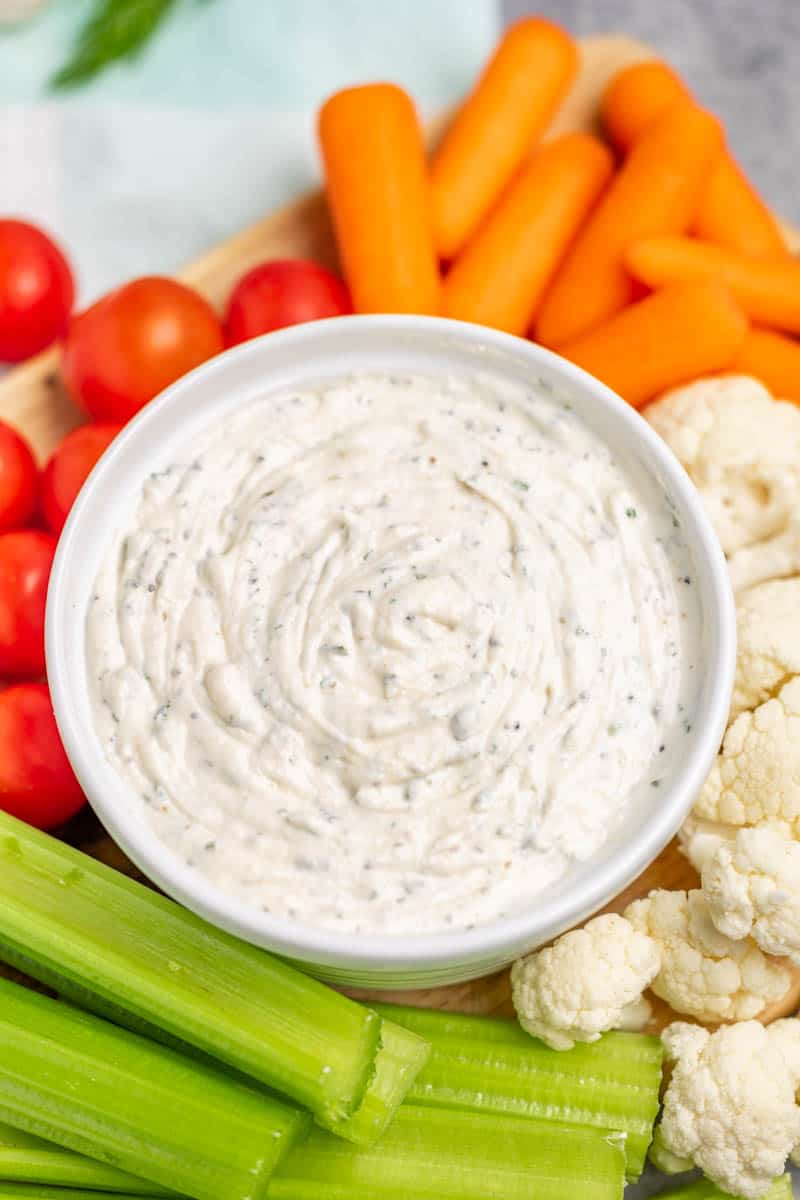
x: 312, y: 353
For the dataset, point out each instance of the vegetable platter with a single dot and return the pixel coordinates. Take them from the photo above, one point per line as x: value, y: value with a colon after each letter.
x: 31, y: 398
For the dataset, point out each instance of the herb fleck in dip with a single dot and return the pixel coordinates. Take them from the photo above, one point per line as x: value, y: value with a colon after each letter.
x: 390, y: 655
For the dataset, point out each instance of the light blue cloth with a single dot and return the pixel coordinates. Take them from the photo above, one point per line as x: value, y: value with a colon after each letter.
x: 287, y: 53
x: 162, y: 157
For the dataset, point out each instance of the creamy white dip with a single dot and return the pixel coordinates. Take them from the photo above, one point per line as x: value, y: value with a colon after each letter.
x: 392, y: 654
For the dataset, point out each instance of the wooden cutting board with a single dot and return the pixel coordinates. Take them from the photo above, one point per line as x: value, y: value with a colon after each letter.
x: 32, y: 398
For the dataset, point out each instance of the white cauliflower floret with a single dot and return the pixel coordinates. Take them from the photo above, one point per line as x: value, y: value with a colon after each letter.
x: 756, y: 777
x: 730, y: 1104
x: 785, y: 1035
x: 741, y: 449
x: 703, y: 973
x: 753, y: 890
x: 699, y: 840
x: 588, y: 981
x: 768, y: 642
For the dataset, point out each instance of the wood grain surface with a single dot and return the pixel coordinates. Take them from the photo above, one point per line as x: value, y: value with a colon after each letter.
x: 32, y: 399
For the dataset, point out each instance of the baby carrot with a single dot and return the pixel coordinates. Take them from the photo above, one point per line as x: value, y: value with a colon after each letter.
x: 512, y: 104
x: 772, y: 358
x: 730, y: 211
x: 500, y: 277
x: 767, y: 289
x: 675, y: 335
x: 637, y: 96
x: 656, y: 191
x: 374, y: 161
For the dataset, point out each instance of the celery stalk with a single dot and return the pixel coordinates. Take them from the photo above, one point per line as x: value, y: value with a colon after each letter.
x: 433, y: 1154
x: 38, y: 1191
x: 703, y: 1189
x: 11, y: 1190
x: 400, y: 1059
x: 103, y: 1091
x: 114, y: 946
x: 31, y: 1160
x: 485, y: 1064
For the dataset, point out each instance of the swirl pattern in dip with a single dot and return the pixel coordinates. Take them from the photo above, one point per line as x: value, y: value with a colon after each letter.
x: 390, y: 655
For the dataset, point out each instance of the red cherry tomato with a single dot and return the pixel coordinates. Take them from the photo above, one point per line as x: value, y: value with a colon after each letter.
x: 36, y: 291
x: 280, y: 293
x: 37, y: 783
x: 25, y: 561
x: 19, y: 479
x: 68, y: 468
x: 132, y: 344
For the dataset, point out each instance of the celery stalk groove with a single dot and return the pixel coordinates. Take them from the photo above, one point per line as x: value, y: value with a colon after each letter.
x: 105, y: 1092
x: 111, y: 944
x: 485, y: 1064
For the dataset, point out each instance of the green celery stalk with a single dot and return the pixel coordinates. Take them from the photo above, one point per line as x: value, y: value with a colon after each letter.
x: 400, y: 1059
x: 112, y: 945
x: 703, y: 1189
x: 484, y: 1064
x: 31, y: 1160
x: 43, y: 1191
x: 439, y: 1154
x: 99, y: 1090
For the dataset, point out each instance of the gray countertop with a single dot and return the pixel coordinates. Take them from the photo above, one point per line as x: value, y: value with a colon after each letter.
x: 741, y: 57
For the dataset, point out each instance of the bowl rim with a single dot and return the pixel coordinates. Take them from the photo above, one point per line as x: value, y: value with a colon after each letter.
x: 386, y: 952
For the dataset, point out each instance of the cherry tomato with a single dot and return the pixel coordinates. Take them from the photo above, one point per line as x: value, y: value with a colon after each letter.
x: 25, y: 561
x: 280, y: 293
x: 19, y: 480
x: 37, y: 783
x: 36, y: 291
x: 130, y: 345
x: 68, y: 468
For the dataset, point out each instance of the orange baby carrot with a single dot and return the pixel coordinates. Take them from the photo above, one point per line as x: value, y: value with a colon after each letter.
x: 772, y: 358
x: 656, y: 191
x: 675, y: 335
x: 637, y: 96
x: 730, y: 211
x: 501, y: 275
x: 767, y: 289
x: 374, y: 161
x: 509, y: 108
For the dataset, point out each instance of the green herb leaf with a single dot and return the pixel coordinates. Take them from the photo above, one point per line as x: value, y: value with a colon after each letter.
x: 115, y: 30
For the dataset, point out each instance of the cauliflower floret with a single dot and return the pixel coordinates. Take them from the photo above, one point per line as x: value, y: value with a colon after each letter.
x: 699, y: 840
x: 756, y: 777
x: 703, y: 973
x: 785, y: 1034
x: 588, y: 981
x: 753, y: 890
x: 730, y: 1105
x: 741, y: 449
x: 768, y: 653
